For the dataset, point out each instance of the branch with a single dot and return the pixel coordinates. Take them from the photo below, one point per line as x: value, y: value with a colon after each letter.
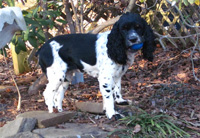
x: 130, y: 6
x: 197, y: 44
x: 19, y: 95
x: 69, y: 16
x: 81, y: 16
x: 112, y: 21
x: 104, y: 25
x: 76, y: 17
x: 182, y: 17
x: 38, y: 85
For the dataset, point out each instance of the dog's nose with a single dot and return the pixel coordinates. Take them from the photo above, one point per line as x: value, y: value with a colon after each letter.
x: 133, y: 39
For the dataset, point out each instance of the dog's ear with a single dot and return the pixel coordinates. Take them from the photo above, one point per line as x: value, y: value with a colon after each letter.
x: 116, y: 45
x: 149, y: 43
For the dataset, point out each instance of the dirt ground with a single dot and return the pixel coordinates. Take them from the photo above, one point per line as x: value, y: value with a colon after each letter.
x: 165, y: 85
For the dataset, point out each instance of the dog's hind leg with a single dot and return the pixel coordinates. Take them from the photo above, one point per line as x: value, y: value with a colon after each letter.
x: 55, y: 77
x: 58, y: 98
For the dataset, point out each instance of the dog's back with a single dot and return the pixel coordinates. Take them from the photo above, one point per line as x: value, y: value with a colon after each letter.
x: 74, y: 47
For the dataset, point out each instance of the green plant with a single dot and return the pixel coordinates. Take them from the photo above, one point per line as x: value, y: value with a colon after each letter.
x: 36, y: 20
x: 152, y: 126
x: 187, y: 2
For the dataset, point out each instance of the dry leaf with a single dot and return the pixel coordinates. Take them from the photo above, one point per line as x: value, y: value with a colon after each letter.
x: 137, y: 129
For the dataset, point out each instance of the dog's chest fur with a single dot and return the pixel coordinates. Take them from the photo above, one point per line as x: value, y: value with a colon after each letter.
x: 104, y: 64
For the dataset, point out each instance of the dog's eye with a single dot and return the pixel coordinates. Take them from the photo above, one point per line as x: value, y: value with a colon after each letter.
x: 137, y: 26
x: 125, y: 27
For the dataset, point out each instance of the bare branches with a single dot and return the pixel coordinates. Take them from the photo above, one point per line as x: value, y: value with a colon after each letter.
x: 69, y: 16
x: 104, y: 25
x: 194, y: 35
x: 196, y: 45
x: 112, y: 21
x: 130, y: 6
x: 19, y: 94
x: 81, y: 16
x: 76, y: 17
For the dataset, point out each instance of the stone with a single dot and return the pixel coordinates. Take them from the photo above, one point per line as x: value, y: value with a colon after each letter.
x: 46, y: 119
x: 18, y: 125
x: 72, y: 130
x: 25, y: 135
x: 90, y: 107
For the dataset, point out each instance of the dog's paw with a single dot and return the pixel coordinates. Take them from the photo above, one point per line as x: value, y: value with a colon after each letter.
x: 124, y: 102
x: 60, y: 109
x: 50, y: 108
x: 117, y: 116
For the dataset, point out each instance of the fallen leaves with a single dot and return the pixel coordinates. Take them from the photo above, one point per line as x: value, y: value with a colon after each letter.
x: 136, y: 129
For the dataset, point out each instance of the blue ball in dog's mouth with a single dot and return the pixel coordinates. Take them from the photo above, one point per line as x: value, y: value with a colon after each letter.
x: 137, y: 46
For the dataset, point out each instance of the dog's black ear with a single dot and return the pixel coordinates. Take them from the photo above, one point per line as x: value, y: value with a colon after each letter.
x: 116, y: 45
x: 149, y: 43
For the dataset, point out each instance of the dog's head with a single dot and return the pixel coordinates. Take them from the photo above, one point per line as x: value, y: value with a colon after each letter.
x: 129, y: 34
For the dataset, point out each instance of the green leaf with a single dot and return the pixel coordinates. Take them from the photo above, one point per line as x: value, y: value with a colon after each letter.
x: 3, y: 51
x: 142, y: 1
x: 160, y: 128
x: 62, y: 21
x: 43, y: 21
x: 191, y: 1
x: 29, y: 15
x: 11, y: 3
x: 14, y: 39
x: 152, y: 122
x: 41, y: 35
x: 26, y: 34
x: 30, y: 21
x: 17, y: 49
x: 21, y: 44
x: 35, y: 12
x: 33, y: 41
x: 180, y: 5
x: 186, y: 2
x: 168, y: 128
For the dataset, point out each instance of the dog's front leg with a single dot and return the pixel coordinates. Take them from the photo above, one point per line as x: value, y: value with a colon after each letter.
x: 106, y: 84
x: 117, y: 93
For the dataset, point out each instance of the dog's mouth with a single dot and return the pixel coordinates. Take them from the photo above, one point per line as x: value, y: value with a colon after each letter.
x: 135, y: 47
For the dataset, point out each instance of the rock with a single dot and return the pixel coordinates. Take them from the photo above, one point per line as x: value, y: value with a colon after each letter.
x: 46, y: 119
x: 26, y: 135
x: 90, y: 107
x: 72, y: 130
x: 19, y: 125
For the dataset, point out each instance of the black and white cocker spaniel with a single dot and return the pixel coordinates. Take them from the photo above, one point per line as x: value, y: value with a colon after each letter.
x: 106, y: 56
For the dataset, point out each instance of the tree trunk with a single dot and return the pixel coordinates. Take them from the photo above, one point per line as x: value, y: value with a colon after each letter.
x: 69, y: 16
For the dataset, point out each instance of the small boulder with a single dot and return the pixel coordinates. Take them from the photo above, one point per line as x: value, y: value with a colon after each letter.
x: 16, y: 126
x: 90, y: 107
x: 46, y: 119
x: 26, y: 135
x: 72, y: 130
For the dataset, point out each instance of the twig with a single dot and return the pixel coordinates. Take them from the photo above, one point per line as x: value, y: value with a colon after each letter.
x: 76, y: 17
x: 19, y: 95
x: 192, y: 26
x: 113, y: 20
x: 130, y: 6
x: 92, y: 121
x: 81, y: 16
x: 69, y: 16
x: 193, y: 60
x: 176, y: 37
